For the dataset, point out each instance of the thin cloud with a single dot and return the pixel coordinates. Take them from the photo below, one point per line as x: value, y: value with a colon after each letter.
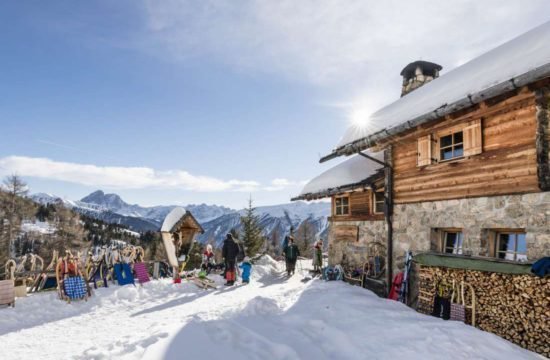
x: 118, y: 176
x: 282, y: 184
x: 357, y: 42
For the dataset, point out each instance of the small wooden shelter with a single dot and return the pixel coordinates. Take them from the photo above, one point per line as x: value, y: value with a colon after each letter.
x: 178, y: 231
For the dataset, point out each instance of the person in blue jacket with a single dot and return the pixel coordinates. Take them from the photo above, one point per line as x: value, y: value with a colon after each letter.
x: 246, y: 267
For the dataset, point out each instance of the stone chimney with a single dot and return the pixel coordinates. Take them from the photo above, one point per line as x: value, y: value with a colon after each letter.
x: 417, y: 74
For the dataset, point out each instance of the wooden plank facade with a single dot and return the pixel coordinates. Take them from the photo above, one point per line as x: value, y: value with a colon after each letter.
x: 361, y: 207
x: 502, y: 161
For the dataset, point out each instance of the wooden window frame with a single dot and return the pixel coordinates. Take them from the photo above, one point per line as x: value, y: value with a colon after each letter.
x: 443, y: 241
x: 451, y: 147
x: 374, y: 202
x: 514, y: 232
x: 335, y: 212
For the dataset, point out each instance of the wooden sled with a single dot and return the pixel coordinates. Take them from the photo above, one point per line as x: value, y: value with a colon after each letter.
x: 204, y: 284
x: 7, y: 293
x: 70, y: 280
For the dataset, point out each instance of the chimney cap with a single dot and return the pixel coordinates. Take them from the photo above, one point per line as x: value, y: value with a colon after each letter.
x: 428, y: 68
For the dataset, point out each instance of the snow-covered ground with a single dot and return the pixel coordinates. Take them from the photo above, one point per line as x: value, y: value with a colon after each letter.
x: 272, y: 318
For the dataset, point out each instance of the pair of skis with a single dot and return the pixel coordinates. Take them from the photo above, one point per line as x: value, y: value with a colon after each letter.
x: 404, y: 290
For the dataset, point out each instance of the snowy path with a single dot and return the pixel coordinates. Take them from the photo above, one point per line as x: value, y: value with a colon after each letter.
x: 272, y: 318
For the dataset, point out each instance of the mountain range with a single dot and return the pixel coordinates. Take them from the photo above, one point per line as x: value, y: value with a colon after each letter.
x: 217, y: 221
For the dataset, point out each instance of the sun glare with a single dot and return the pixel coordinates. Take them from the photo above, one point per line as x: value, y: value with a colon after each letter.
x: 359, y: 117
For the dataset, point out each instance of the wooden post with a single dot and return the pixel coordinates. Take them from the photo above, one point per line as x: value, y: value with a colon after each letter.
x: 542, y: 101
x: 388, y: 212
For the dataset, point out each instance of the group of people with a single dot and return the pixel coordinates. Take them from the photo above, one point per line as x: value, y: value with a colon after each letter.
x: 291, y: 252
x: 231, y: 252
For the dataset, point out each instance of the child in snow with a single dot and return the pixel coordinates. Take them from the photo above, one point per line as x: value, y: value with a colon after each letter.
x: 318, y: 256
x: 208, y: 261
x: 246, y: 267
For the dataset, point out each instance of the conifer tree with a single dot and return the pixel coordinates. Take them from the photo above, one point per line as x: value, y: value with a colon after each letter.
x: 251, y: 230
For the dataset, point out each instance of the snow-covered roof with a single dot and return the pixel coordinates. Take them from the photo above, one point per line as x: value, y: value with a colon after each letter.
x: 516, y: 63
x: 354, y: 172
x: 176, y: 217
x: 172, y: 219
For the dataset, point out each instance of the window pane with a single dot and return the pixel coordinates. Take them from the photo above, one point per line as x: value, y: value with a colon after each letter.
x: 458, y: 137
x: 345, y: 210
x: 459, y: 151
x: 450, y: 241
x: 506, y: 243
x: 338, y: 202
x: 447, y: 154
x: 345, y: 201
x: 338, y: 211
x: 446, y: 141
x: 521, y: 244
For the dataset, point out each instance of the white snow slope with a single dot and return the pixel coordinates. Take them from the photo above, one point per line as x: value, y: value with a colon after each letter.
x: 272, y: 318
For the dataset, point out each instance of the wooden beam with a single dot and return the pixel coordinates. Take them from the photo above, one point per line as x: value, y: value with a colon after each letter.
x: 542, y: 100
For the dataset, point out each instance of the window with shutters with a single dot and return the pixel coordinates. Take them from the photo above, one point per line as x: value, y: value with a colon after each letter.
x: 341, y: 205
x: 459, y: 142
x: 424, y: 151
x: 473, y: 139
x: 451, y: 146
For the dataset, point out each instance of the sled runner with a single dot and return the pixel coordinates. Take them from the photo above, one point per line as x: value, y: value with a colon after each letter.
x: 12, y: 270
x: 203, y: 283
x: 35, y: 275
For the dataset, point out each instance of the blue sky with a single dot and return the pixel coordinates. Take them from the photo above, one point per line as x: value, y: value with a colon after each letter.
x: 180, y: 102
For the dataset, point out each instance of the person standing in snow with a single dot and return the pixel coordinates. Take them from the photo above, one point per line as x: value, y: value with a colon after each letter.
x: 230, y: 251
x: 246, y: 268
x: 291, y: 252
x: 208, y: 261
x: 318, y: 256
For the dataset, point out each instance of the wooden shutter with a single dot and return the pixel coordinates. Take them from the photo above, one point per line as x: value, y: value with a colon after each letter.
x: 472, y: 139
x: 424, y: 151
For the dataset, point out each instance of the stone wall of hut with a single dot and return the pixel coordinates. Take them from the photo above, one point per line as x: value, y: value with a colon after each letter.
x: 416, y: 225
x: 348, y: 241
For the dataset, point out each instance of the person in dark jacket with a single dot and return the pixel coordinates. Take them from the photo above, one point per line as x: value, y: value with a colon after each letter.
x: 230, y: 250
x: 291, y: 252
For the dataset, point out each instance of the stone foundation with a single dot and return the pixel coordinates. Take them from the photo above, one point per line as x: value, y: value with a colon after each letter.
x: 414, y: 224
x: 354, y: 253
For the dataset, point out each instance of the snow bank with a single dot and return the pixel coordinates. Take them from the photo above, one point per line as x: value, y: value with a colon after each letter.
x: 271, y: 318
x: 516, y: 57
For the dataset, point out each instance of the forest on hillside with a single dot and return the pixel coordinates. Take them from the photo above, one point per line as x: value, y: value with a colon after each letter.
x: 30, y: 227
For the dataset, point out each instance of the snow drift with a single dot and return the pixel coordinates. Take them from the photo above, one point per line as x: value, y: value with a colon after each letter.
x: 272, y: 318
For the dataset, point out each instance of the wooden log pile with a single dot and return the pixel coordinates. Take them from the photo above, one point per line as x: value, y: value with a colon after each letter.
x: 514, y: 307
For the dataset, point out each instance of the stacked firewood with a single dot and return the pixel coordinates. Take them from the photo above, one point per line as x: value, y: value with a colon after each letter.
x: 515, y: 307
